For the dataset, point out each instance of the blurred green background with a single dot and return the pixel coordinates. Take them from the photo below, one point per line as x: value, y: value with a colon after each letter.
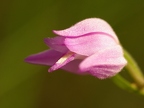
x: 24, y: 24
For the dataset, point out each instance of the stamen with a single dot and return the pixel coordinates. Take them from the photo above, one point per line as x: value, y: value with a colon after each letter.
x: 65, y: 57
x: 69, y: 56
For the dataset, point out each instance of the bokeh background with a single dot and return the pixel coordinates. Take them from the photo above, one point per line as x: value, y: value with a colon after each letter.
x: 24, y: 24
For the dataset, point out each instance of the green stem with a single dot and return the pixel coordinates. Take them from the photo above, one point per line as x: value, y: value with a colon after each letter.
x: 123, y: 83
x: 134, y: 70
x: 126, y: 85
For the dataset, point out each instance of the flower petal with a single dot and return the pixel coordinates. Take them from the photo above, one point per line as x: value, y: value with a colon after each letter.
x: 105, y: 63
x: 48, y: 57
x: 89, y: 44
x: 73, y: 67
x: 56, y: 43
x: 91, y: 25
x: 103, y: 72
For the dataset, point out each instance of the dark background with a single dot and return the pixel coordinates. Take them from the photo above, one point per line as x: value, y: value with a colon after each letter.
x: 24, y: 24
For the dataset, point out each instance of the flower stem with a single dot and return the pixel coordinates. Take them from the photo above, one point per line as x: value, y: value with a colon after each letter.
x: 134, y: 70
x: 123, y: 83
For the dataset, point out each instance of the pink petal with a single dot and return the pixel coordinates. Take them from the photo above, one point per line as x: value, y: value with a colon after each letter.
x: 91, y: 25
x: 73, y: 67
x: 48, y: 57
x: 89, y: 44
x: 56, y: 43
x: 105, y: 63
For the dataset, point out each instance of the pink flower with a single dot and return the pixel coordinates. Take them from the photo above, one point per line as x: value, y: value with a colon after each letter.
x: 90, y: 46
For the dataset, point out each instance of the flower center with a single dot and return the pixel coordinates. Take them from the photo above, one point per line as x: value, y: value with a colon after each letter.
x: 65, y: 57
x: 68, y: 57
